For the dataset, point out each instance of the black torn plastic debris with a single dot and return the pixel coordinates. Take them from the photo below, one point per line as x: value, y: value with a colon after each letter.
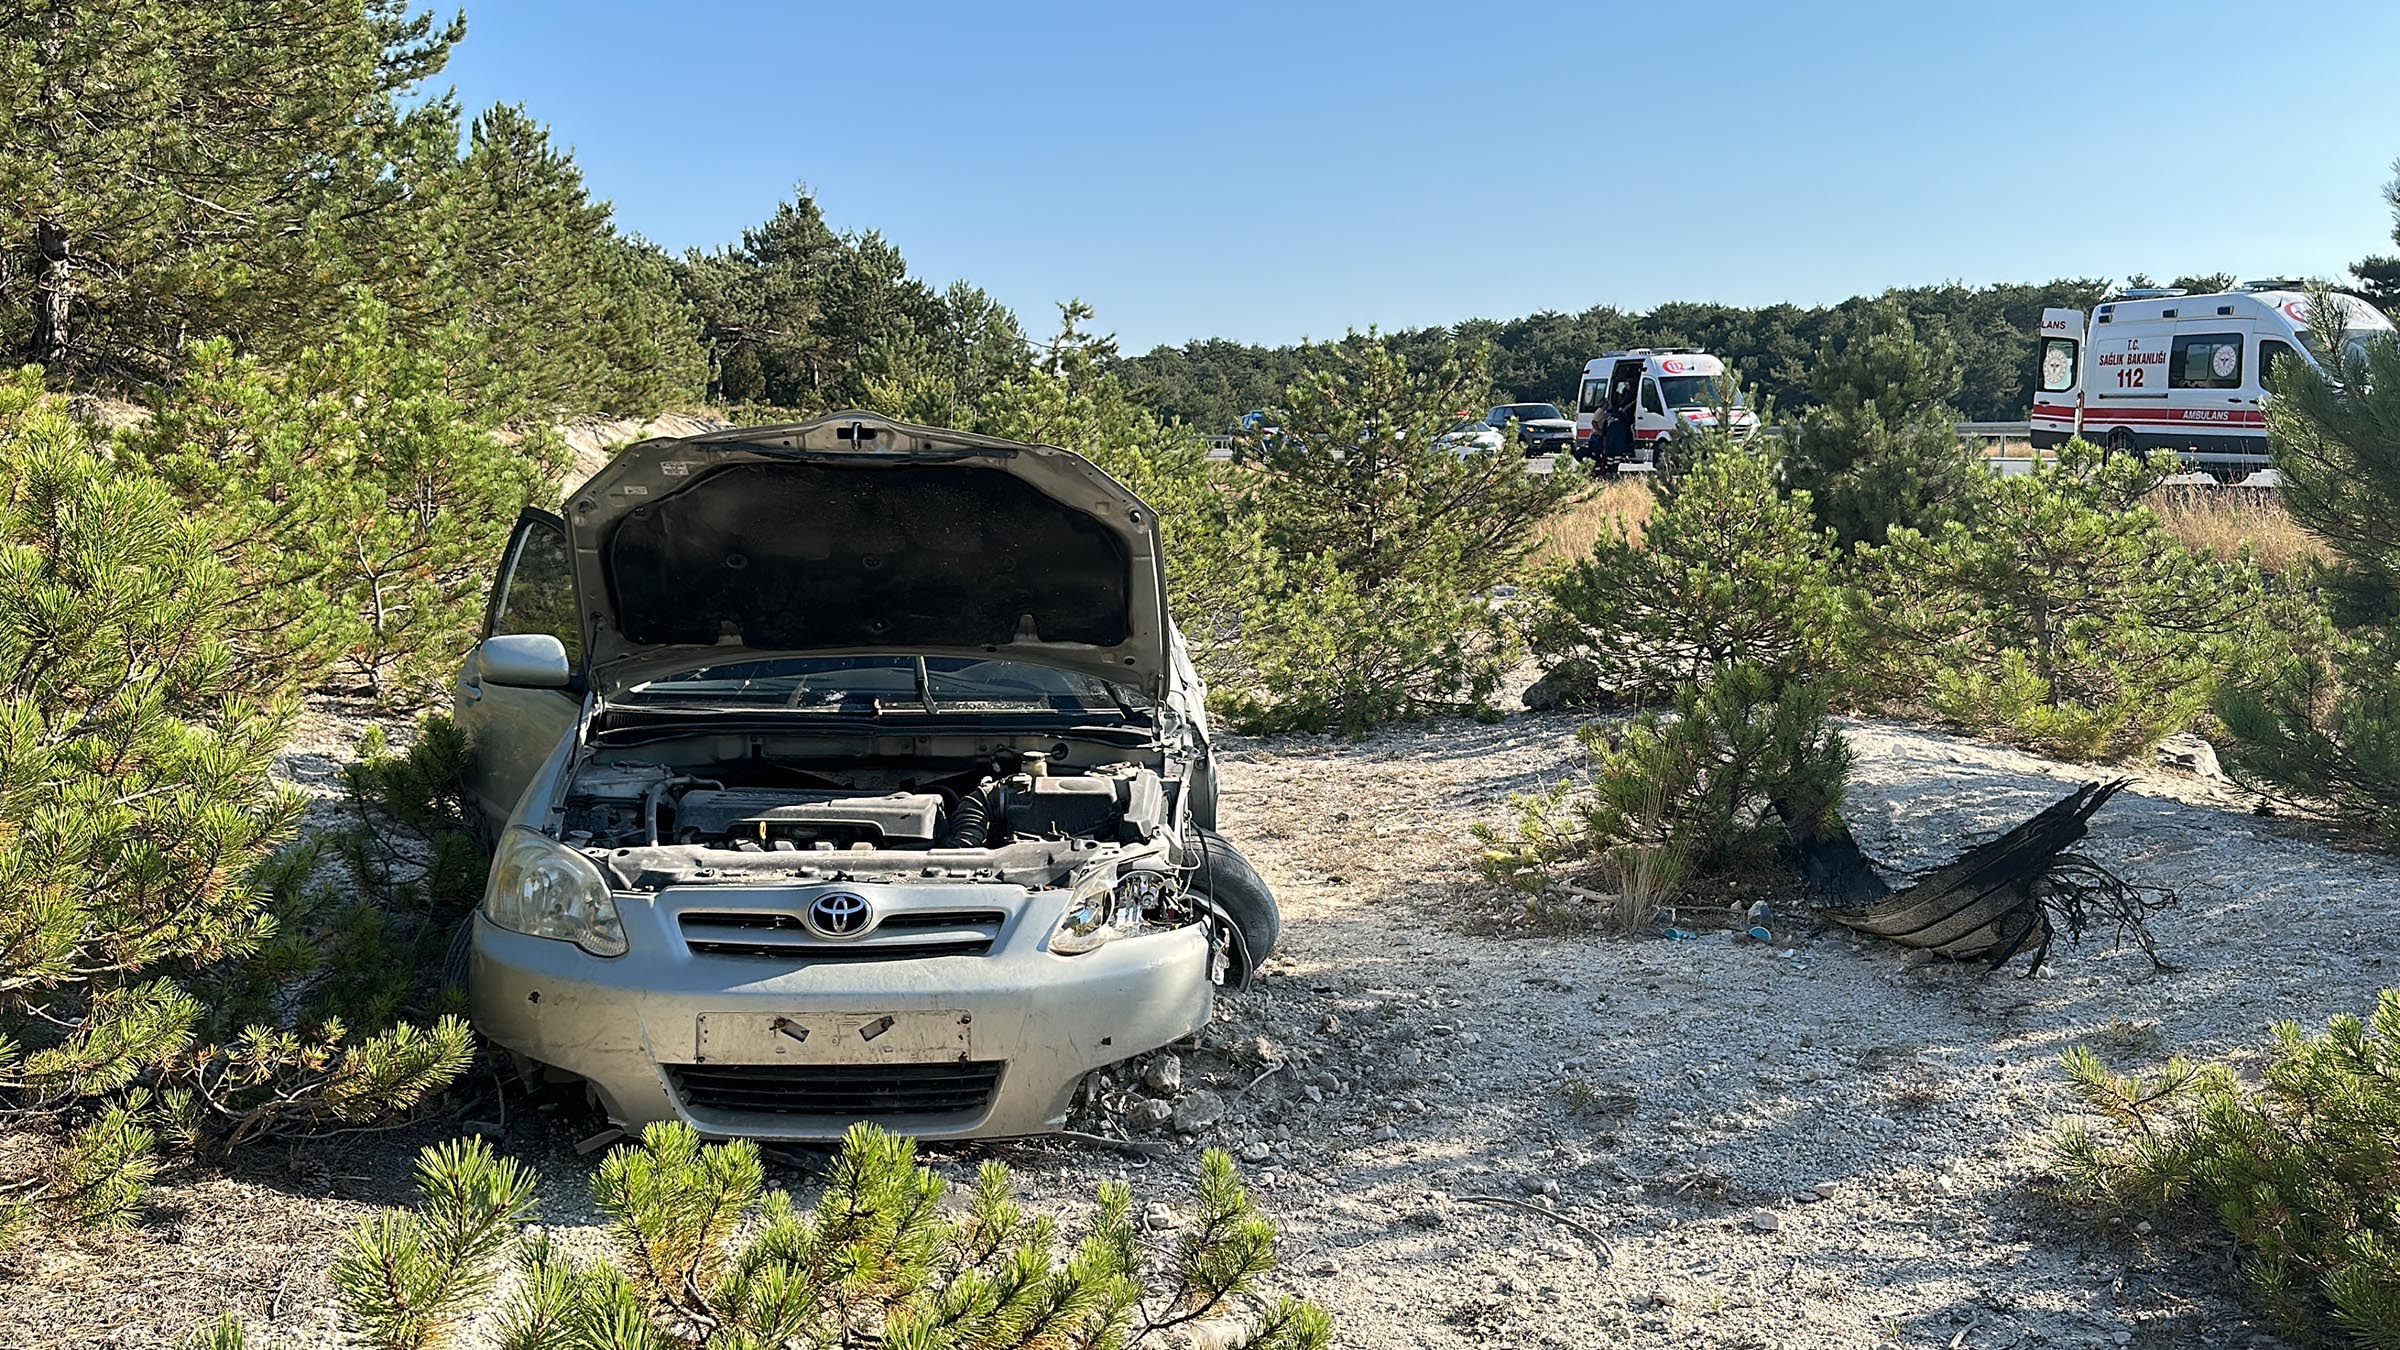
x: 2010, y: 895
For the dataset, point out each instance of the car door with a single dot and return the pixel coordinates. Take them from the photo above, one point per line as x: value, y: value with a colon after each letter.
x: 511, y: 731
x: 1590, y: 410
x: 1621, y: 385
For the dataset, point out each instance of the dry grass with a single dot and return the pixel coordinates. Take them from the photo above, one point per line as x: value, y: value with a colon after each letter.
x: 1571, y: 533
x: 2222, y: 520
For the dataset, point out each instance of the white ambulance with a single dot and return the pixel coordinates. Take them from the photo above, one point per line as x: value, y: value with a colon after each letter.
x: 1633, y: 403
x: 2162, y: 370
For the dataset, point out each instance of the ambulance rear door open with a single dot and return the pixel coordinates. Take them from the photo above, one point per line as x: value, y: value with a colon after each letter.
x: 2058, y: 379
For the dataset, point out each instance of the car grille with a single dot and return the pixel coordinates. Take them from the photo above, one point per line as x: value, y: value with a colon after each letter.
x: 846, y: 1091
x: 899, y: 935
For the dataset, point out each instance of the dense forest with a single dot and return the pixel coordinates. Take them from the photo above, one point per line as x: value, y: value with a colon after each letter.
x: 1774, y: 347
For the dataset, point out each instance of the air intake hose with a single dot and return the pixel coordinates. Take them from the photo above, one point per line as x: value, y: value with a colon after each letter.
x: 971, y: 822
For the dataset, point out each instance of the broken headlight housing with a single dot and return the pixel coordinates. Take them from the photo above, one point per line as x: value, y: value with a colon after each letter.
x: 1109, y: 904
x: 544, y: 889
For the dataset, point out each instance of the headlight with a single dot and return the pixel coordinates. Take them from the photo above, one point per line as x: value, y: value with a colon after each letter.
x: 1109, y: 905
x: 542, y: 888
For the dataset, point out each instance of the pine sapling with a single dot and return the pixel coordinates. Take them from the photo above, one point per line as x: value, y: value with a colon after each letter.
x: 223, y: 1334
x: 415, y: 1280
x: 2298, y: 1167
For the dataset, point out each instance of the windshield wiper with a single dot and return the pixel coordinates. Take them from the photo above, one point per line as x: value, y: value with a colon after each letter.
x: 925, y: 686
x: 1124, y: 704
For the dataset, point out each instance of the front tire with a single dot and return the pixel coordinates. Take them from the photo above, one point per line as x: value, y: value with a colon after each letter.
x: 2120, y: 441
x: 1225, y: 878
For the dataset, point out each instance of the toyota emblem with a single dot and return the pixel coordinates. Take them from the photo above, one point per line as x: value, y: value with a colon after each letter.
x: 840, y: 914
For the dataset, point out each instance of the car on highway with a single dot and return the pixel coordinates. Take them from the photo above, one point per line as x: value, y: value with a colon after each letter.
x: 1541, y: 428
x: 845, y: 770
x: 1470, y: 436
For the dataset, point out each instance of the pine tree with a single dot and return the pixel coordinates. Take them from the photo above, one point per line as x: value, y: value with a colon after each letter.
x: 941, y: 376
x: 136, y: 807
x: 1384, y: 544
x: 1729, y: 569
x: 358, y: 498
x: 2323, y: 724
x: 2379, y: 275
x: 573, y: 317
x: 798, y: 317
x: 1728, y: 610
x: 176, y: 170
x: 2059, y: 614
x: 1357, y: 471
x: 2294, y: 1163
x: 181, y: 171
x: 134, y: 753
x: 1072, y: 399
x: 1881, y: 446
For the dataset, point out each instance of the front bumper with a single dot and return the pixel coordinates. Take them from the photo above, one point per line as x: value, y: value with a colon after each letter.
x: 631, y: 1025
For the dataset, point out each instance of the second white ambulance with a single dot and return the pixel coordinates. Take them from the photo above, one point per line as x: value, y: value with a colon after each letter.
x: 1633, y: 403
x: 2162, y: 370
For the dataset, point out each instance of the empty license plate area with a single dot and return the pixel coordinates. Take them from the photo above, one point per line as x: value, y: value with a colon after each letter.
x: 833, y: 1038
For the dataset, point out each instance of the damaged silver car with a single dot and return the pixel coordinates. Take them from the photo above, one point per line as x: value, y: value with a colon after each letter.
x: 842, y: 771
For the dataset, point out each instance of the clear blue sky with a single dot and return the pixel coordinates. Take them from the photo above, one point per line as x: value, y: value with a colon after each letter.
x: 1265, y: 172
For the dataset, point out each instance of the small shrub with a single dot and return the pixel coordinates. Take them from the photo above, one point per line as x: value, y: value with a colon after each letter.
x: 1708, y: 791
x: 2059, y: 615
x: 1587, y: 1100
x: 223, y: 1334
x: 1728, y: 569
x: 706, y: 1257
x: 2299, y: 1168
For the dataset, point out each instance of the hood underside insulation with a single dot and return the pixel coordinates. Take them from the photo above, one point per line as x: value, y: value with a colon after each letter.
x: 796, y: 556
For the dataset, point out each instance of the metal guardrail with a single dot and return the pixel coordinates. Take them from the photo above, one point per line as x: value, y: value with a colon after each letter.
x: 1996, y: 431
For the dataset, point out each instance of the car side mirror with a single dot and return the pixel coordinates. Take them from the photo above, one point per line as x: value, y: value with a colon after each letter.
x: 526, y: 661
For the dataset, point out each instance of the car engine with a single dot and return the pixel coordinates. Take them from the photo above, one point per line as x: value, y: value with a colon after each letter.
x: 654, y: 824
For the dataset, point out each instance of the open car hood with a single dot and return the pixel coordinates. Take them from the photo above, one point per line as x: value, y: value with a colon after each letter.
x: 853, y: 533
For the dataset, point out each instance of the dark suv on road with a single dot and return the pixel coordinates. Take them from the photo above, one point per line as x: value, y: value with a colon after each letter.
x: 1541, y: 428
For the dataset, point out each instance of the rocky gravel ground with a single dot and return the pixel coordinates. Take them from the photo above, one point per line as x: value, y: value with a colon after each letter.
x: 1474, y: 1129
x: 1814, y: 1142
